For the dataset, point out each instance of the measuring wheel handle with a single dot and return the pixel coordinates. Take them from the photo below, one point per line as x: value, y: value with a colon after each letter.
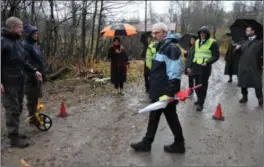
x: 45, y: 122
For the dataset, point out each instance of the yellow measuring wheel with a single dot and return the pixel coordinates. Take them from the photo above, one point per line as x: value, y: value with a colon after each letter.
x: 43, y: 122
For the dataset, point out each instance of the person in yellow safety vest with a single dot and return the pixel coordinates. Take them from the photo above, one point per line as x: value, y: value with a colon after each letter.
x: 206, y: 52
x: 151, y: 50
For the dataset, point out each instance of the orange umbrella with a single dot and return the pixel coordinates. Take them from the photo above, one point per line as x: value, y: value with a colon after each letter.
x: 119, y: 29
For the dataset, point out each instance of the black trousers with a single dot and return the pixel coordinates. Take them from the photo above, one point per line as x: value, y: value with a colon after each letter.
x: 202, y: 91
x: 191, y: 81
x: 172, y: 119
x: 146, y: 77
x: 119, y: 85
x: 259, y: 93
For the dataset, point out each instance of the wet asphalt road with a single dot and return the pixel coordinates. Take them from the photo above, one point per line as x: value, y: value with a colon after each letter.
x: 99, y: 130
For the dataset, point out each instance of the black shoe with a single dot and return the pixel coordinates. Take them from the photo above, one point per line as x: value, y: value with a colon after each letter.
x: 21, y: 136
x: 199, y: 107
x: 230, y: 80
x: 141, y: 146
x: 17, y: 142
x: 33, y: 120
x: 244, y: 99
x: 196, y: 103
x: 175, y: 148
x: 260, y: 101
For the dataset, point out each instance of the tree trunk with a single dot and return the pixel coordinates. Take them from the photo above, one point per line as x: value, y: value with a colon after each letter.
x: 99, y: 27
x: 32, y: 12
x: 84, y: 12
x: 146, y: 15
x: 72, y: 30
x: 94, y: 17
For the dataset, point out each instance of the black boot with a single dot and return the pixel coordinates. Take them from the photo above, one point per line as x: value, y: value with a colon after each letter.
x: 230, y: 79
x: 199, y: 107
x: 260, y: 101
x: 175, y: 147
x: 142, y: 146
x: 244, y: 99
x: 196, y: 103
x: 21, y: 136
x: 17, y: 142
x: 32, y: 120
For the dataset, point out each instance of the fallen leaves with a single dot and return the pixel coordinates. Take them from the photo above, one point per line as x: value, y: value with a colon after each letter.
x: 24, y: 163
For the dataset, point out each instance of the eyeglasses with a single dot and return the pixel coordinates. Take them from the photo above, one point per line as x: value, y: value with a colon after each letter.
x: 156, y: 32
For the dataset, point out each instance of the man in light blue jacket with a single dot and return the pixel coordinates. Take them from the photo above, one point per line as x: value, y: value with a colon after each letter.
x: 165, y: 81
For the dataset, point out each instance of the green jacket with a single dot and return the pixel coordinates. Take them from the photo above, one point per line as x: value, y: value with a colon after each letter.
x: 151, y: 51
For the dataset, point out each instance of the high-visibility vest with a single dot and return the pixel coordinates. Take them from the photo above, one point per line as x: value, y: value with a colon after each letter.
x: 203, y: 53
x: 151, y: 51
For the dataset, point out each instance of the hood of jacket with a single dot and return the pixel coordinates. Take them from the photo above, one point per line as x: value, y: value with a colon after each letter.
x: 204, y: 29
x: 28, y: 30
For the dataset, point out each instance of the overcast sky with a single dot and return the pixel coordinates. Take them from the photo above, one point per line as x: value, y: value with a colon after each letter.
x: 158, y: 6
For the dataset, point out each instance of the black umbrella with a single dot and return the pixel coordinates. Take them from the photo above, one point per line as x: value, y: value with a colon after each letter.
x: 238, y: 28
x: 185, y: 40
x: 144, y: 37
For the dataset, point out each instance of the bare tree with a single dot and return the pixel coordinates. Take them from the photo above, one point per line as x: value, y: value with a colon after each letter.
x: 152, y: 15
x: 99, y: 27
x: 84, y: 13
x: 32, y: 12
x: 93, y: 26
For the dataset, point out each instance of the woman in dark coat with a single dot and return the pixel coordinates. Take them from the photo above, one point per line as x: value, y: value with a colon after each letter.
x: 232, y: 61
x: 189, y: 59
x: 119, y: 62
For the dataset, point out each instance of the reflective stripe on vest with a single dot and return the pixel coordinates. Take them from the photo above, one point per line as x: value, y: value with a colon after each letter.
x: 151, y: 50
x: 203, y: 53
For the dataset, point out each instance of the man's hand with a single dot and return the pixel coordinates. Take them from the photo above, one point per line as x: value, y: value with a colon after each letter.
x: 204, y: 64
x: 166, y: 98
x: 38, y: 76
x: 118, y: 51
x: 189, y: 71
x: 238, y: 47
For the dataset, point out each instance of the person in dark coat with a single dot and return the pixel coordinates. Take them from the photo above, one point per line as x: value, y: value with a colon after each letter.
x: 189, y: 59
x: 232, y: 59
x: 165, y: 81
x: 206, y: 52
x: 14, y: 65
x: 119, y: 62
x: 148, y: 61
x: 33, y: 88
x: 251, y: 65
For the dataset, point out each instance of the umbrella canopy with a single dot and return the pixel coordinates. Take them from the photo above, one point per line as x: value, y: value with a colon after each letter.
x: 185, y: 40
x: 119, y: 29
x: 238, y: 28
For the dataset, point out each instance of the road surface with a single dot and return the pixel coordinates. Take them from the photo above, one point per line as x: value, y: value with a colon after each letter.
x: 101, y: 126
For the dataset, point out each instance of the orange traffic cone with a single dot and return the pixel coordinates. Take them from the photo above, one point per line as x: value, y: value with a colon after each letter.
x: 218, y: 113
x: 63, y: 113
